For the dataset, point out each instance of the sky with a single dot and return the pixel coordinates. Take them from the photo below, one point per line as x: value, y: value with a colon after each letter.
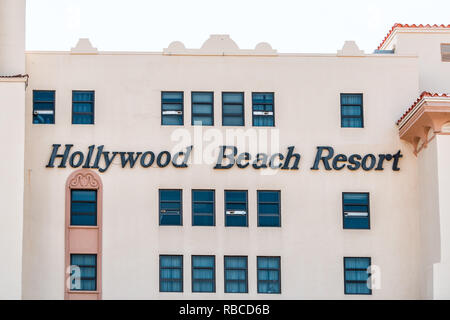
x: 313, y: 26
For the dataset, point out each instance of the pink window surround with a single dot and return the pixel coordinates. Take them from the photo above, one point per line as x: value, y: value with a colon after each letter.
x: 83, y: 239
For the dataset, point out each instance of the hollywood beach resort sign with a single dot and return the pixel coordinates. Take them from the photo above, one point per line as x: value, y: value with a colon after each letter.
x: 97, y: 157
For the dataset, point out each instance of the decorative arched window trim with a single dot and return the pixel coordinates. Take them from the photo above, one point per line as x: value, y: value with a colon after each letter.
x: 83, y: 239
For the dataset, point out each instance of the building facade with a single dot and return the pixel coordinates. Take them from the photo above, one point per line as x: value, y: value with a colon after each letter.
x: 225, y: 173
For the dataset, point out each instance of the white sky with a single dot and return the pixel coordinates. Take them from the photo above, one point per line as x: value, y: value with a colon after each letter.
x: 288, y: 25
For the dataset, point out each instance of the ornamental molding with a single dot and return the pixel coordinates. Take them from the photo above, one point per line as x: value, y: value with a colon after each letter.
x: 84, y: 179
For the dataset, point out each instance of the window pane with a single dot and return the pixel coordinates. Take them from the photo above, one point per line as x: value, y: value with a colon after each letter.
x: 88, y: 272
x: 229, y: 97
x: 351, y: 99
x: 43, y: 101
x: 262, y: 98
x: 203, y: 220
x: 236, y: 220
x: 356, y: 210
x: 83, y: 119
x: 171, y: 273
x: 172, y: 107
x: 83, y: 96
x: 356, y: 275
x: 351, y: 122
x: 43, y: 96
x: 84, y: 195
x: 202, y: 97
x: 203, y: 274
x: 233, y: 121
x: 83, y: 107
x: 170, y: 220
x: 204, y: 121
x: 351, y: 110
x: 172, y: 120
x: 202, y: 109
x: 203, y: 195
x: 170, y: 195
x: 238, y: 196
x: 172, y: 97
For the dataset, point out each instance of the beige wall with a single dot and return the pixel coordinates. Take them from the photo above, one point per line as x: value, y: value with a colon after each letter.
x: 12, y: 137
x: 311, y: 241
x: 426, y: 45
x: 12, y: 37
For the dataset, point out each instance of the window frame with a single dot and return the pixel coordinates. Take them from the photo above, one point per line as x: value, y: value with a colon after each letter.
x: 84, y: 113
x: 352, y: 117
x: 356, y: 281
x: 181, y: 207
x: 54, y: 105
x: 182, y: 108
x: 257, y: 274
x: 214, y: 273
x: 368, y: 210
x: 203, y: 103
x: 246, y: 208
x: 84, y: 213
x: 279, y: 208
x: 214, y: 207
x: 182, y: 272
x: 225, y: 277
x: 234, y: 103
x: 273, y: 108
x: 81, y: 278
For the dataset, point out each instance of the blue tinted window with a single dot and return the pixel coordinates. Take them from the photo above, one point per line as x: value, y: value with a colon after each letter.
x: 233, y: 108
x: 351, y: 110
x: 356, y: 275
x: 170, y: 207
x: 236, y: 209
x: 269, y: 209
x: 356, y: 210
x: 236, y: 273
x: 83, y: 208
x: 203, y: 108
x: 82, y: 107
x: 87, y: 278
x: 43, y: 107
x: 203, y: 208
x: 269, y: 275
x: 171, y: 273
x: 203, y: 274
x: 263, y: 110
x: 172, y: 108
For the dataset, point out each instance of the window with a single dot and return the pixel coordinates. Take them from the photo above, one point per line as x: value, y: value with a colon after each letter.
x: 236, y: 274
x: 170, y: 273
x: 236, y: 209
x: 355, y: 208
x: 445, y: 52
x: 356, y: 275
x: 88, y: 272
x: 203, y: 108
x: 263, y: 110
x: 83, y: 207
x: 203, y: 274
x: 43, y: 107
x: 269, y: 209
x: 352, y: 110
x: 232, y: 108
x: 172, y: 108
x: 82, y: 107
x: 203, y: 208
x: 170, y: 208
x: 269, y: 279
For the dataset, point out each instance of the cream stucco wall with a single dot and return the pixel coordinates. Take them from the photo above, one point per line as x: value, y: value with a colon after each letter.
x: 426, y: 44
x: 311, y: 241
x: 12, y: 144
